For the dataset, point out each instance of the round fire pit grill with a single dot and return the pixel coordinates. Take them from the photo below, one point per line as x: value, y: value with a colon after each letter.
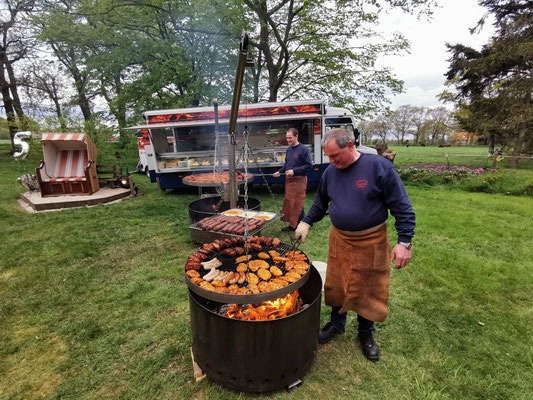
x: 257, y: 356
x: 228, y: 264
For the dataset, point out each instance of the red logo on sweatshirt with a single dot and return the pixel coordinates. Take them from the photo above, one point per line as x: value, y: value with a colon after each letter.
x: 361, y: 183
x: 295, y: 156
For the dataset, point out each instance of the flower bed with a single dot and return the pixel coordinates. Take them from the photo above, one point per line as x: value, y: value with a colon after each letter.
x: 438, y: 173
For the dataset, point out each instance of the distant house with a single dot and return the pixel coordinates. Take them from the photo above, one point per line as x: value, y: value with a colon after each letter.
x: 462, y: 138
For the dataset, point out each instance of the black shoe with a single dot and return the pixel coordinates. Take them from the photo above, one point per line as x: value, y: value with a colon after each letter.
x: 328, y: 332
x: 288, y: 229
x: 368, y: 346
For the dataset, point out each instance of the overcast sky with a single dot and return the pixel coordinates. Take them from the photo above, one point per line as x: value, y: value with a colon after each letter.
x: 423, y: 69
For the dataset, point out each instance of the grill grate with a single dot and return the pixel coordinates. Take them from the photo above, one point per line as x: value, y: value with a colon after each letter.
x: 250, y: 233
x: 229, y: 264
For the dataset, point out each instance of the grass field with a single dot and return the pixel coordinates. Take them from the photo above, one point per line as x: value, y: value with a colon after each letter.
x: 93, y: 303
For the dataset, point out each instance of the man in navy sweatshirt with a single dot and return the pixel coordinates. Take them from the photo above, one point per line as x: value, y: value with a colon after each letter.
x: 297, y: 163
x: 359, y: 190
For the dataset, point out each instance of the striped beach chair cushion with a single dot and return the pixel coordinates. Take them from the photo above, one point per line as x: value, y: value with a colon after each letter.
x: 70, y: 166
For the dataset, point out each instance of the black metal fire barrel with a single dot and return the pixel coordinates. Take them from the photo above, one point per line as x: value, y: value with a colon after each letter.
x: 256, y: 356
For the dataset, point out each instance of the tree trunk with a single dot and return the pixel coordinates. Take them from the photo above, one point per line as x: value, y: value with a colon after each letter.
x: 491, y: 142
x: 60, y: 118
x: 15, y: 96
x: 522, y: 136
x: 8, y: 105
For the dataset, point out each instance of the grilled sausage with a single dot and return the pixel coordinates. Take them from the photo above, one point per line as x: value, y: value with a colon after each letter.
x: 256, y: 247
x: 229, y: 252
x: 276, y: 242
x: 234, y: 278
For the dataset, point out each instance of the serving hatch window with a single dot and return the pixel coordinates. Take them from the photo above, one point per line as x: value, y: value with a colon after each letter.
x: 266, y: 134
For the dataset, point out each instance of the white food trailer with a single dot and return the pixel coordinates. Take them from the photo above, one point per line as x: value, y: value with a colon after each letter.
x: 179, y: 142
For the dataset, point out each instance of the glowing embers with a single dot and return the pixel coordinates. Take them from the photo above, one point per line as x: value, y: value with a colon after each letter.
x: 274, y: 309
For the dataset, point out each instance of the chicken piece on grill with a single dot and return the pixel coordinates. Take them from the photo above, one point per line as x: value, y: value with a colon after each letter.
x: 193, y: 273
x: 217, y: 283
x: 263, y: 255
x: 242, y: 259
x: 264, y: 286
x: 280, y: 259
x: 300, y: 270
x: 254, y: 265
x: 276, y: 271
x: 221, y: 289
x: 197, y: 280
x: 243, y: 290
x: 254, y: 289
x: 274, y: 253
x: 252, y: 278
x: 242, y: 267
x: 207, y: 286
x: 232, y: 289
x: 280, y: 282
x: 264, y: 274
x: 275, y: 284
x: 292, y: 276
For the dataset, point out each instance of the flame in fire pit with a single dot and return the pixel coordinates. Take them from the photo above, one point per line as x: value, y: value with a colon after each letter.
x: 273, y: 309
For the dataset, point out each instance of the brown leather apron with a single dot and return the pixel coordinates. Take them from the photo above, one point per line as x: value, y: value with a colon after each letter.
x: 358, y: 272
x: 294, y: 199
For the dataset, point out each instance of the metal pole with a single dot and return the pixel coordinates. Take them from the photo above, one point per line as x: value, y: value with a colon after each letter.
x: 241, y: 65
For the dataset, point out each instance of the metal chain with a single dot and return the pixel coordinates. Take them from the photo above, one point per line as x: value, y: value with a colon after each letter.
x: 246, y: 135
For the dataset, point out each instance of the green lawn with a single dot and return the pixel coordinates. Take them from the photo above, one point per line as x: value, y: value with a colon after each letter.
x: 456, y: 155
x: 93, y: 303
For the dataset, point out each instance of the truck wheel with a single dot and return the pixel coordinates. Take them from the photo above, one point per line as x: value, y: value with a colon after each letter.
x: 146, y: 171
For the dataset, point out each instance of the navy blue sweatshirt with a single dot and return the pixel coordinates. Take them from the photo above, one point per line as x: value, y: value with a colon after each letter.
x: 298, y: 159
x: 360, y: 196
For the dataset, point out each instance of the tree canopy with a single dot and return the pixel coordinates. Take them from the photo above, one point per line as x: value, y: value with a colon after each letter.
x: 494, y: 85
x: 115, y: 59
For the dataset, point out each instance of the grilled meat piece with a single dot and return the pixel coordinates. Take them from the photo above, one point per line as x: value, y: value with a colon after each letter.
x: 252, y: 278
x: 242, y: 259
x: 264, y: 274
x: 276, y: 271
x: 192, y: 273
x: 229, y: 252
x: 254, y: 265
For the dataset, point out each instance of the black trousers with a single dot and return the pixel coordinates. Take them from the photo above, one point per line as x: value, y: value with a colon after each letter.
x: 339, y: 321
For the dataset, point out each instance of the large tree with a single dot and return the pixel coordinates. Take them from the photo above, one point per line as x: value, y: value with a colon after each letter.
x: 403, y: 122
x: 13, y: 48
x: 325, y: 50
x: 496, y: 83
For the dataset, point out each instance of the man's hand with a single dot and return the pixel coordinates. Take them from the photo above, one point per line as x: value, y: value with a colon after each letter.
x: 401, y: 255
x: 290, y: 172
x: 276, y: 174
x: 301, y: 231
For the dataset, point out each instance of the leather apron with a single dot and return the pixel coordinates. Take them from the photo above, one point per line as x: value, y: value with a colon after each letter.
x: 293, y: 203
x: 358, y: 272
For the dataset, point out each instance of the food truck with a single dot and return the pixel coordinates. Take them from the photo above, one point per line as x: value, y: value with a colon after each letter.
x: 175, y: 143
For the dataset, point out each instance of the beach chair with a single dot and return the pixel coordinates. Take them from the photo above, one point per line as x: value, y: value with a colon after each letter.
x: 68, y: 166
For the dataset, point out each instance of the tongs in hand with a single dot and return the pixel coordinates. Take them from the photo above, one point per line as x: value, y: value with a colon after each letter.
x: 295, y: 243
